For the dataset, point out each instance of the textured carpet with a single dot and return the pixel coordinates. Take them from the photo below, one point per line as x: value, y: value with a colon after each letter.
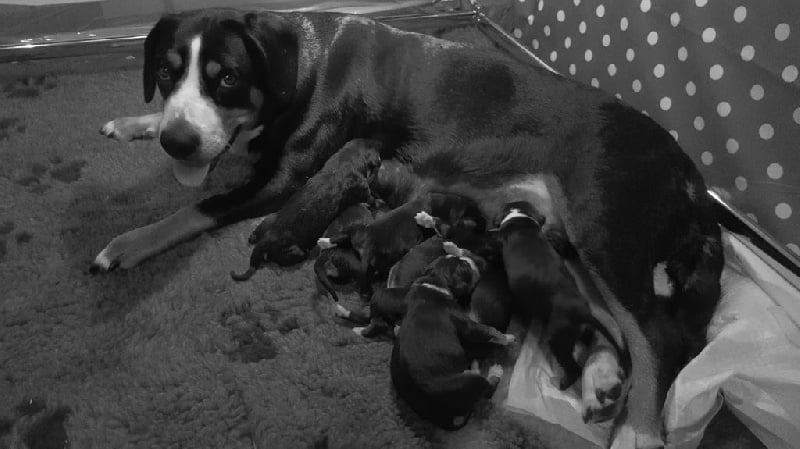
x: 171, y: 354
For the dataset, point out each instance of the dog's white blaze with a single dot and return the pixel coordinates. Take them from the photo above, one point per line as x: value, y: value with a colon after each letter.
x: 187, y: 102
x: 441, y: 290
x: 662, y: 284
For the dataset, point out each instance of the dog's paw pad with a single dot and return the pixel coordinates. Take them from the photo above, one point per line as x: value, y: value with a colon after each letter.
x: 424, y: 219
x: 325, y: 243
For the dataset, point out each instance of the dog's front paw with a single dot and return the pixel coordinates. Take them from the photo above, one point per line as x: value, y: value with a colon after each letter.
x: 510, y: 339
x: 341, y: 312
x: 124, y: 251
x: 130, y: 128
x: 325, y: 243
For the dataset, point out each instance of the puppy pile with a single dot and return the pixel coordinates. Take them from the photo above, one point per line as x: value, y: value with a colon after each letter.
x: 446, y: 285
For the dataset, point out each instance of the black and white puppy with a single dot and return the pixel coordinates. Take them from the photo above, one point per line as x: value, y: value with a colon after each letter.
x: 430, y: 367
x: 544, y: 289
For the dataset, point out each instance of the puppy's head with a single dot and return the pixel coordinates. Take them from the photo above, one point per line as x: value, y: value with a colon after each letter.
x: 460, y: 271
x: 456, y: 215
x: 222, y: 74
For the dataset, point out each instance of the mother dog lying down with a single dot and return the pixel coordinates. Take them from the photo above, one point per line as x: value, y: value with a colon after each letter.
x: 294, y: 87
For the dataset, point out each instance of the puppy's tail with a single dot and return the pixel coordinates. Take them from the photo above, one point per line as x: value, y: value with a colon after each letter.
x: 256, y: 258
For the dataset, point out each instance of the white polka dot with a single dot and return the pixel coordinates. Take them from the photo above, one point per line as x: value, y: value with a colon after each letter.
x: 546, y: 30
x: 748, y: 52
x: 741, y: 183
x: 618, y: 95
x: 560, y: 15
x: 567, y: 42
x: 691, y: 89
x: 674, y: 134
x: 553, y: 55
x: 595, y: 82
x: 794, y: 248
x: 756, y: 92
x: 658, y: 70
x: 700, y: 3
x: 683, y: 54
x: 782, y: 32
x: 530, y: 19
x: 732, y: 145
x: 739, y: 14
x: 789, y: 73
x: 582, y: 27
x: 715, y: 72
x: 588, y: 55
x: 535, y: 44
x: 517, y: 33
x: 699, y: 123
x: 572, y: 69
x: 601, y: 11
x: 675, y: 19
x: 645, y: 5
x: 630, y: 54
x: 783, y: 211
x: 577, y: 2
x: 606, y: 40
x: 766, y: 131
x: 796, y: 116
x: 623, y: 23
x: 636, y: 85
x: 612, y: 69
x: 723, y: 109
x: 652, y: 38
x: 541, y: 5
x: 775, y: 170
x: 665, y: 103
x: 709, y: 34
x: 707, y: 158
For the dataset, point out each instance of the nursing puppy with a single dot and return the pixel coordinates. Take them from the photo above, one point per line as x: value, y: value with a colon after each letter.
x: 430, y: 368
x: 341, y: 264
x: 544, y: 289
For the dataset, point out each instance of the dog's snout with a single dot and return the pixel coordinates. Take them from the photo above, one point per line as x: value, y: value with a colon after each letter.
x: 179, y: 139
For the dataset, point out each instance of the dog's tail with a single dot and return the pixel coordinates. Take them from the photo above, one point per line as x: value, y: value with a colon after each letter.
x: 256, y: 258
x: 320, y: 270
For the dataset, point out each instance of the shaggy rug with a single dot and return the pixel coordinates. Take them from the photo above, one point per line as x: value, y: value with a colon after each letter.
x: 171, y: 354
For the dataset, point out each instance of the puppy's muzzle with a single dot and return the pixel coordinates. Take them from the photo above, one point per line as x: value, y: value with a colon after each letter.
x: 179, y: 139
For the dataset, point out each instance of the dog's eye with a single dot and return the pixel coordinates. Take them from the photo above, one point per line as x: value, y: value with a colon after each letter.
x: 229, y: 80
x: 164, y: 73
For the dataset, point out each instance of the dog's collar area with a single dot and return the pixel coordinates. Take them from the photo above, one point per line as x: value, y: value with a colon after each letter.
x: 436, y: 288
x: 227, y: 147
x: 516, y: 213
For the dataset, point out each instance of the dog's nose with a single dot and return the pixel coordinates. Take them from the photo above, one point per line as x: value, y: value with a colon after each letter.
x: 179, y: 139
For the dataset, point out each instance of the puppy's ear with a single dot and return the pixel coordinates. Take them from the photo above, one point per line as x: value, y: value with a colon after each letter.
x: 165, y: 27
x: 273, y: 48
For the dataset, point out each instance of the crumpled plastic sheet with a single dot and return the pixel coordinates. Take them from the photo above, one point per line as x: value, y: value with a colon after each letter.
x: 751, y: 363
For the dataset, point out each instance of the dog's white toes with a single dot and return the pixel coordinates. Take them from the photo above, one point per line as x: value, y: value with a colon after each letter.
x: 325, y: 243
x: 359, y: 331
x: 424, y: 219
x: 341, y: 311
x: 510, y: 338
x: 495, y: 373
x: 102, y: 263
x: 109, y: 130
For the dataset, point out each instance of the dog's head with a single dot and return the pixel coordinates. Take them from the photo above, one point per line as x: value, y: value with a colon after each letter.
x: 460, y: 270
x: 221, y: 73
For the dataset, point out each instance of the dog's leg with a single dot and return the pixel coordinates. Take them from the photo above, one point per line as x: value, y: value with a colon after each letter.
x: 475, y: 332
x: 132, y: 128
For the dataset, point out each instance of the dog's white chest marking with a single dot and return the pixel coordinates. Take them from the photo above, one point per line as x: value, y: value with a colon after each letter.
x: 662, y: 284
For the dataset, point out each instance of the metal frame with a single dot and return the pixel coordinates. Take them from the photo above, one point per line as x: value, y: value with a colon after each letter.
x: 462, y: 12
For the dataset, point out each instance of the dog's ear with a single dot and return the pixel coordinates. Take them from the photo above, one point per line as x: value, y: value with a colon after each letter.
x: 165, y: 26
x: 273, y: 48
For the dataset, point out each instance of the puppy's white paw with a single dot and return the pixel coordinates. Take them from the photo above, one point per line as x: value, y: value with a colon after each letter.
x: 359, y: 331
x: 130, y: 128
x: 495, y: 373
x: 425, y: 220
x: 396, y: 330
x: 325, y: 243
x: 340, y: 311
x: 510, y: 338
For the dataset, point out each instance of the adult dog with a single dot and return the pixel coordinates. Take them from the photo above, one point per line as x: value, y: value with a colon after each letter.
x: 300, y: 85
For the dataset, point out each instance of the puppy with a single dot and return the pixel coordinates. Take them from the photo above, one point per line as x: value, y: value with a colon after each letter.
x: 429, y: 367
x: 545, y: 289
x: 385, y: 241
x: 341, y: 264
x: 346, y: 175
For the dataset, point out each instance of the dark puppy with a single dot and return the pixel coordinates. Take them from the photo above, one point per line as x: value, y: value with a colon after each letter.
x: 544, y: 289
x: 346, y: 175
x: 429, y: 366
x: 341, y: 264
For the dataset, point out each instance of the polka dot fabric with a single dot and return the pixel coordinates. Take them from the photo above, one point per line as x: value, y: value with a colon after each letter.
x: 721, y: 75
